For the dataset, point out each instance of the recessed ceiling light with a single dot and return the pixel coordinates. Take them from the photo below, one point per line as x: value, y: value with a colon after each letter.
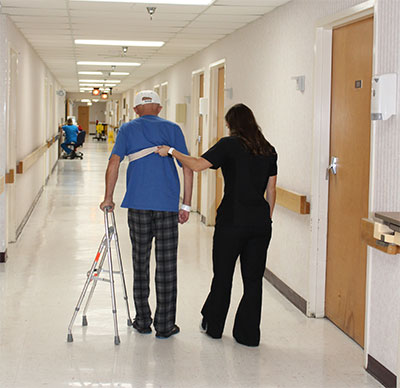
x: 112, y: 81
x: 118, y: 73
x: 98, y: 85
x: 93, y: 63
x: 91, y: 72
x: 123, y: 43
x: 179, y: 2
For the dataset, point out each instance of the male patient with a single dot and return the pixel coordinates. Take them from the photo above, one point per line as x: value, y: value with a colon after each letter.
x: 152, y: 199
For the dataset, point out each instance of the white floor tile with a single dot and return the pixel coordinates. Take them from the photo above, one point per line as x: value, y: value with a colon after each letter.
x: 45, y: 273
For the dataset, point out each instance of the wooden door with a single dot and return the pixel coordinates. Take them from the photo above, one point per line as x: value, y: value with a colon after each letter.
x: 200, y: 143
x: 83, y: 117
x: 349, y: 188
x: 219, y: 187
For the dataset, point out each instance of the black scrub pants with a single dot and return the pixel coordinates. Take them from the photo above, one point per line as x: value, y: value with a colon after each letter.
x: 251, y: 244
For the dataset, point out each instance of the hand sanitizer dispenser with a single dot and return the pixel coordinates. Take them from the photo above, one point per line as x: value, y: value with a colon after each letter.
x: 383, y: 97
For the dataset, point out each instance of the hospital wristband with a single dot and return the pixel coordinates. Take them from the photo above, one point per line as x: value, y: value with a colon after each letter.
x: 186, y: 208
x: 171, y: 150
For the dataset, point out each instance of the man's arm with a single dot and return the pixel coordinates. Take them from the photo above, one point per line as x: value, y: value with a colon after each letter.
x: 187, y: 193
x: 111, y: 180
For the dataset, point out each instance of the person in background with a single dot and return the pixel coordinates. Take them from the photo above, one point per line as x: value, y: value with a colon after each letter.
x: 71, y: 135
x: 152, y: 199
x: 243, y: 223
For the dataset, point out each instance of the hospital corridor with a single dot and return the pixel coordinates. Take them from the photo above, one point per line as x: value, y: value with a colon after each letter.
x: 289, y: 105
x: 41, y: 285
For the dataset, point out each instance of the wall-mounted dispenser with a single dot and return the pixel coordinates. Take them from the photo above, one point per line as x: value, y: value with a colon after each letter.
x: 383, y: 96
x: 203, y: 106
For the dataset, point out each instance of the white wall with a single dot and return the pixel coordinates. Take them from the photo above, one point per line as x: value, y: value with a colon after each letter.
x: 384, y: 274
x: 261, y: 60
x: 3, y: 123
x: 34, y: 126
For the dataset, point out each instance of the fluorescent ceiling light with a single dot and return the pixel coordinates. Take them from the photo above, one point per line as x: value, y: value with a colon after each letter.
x: 118, y: 73
x: 93, y: 63
x: 85, y: 100
x: 112, y: 81
x: 91, y: 72
x: 84, y: 89
x: 179, y: 2
x: 98, y: 85
x: 123, y: 43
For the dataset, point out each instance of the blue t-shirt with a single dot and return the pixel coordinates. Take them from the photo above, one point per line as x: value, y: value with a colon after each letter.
x: 152, y: 182
x: 71, y: 133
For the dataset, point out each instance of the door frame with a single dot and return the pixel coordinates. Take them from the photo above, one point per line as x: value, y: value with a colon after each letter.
x: 194, y: 123
x: 211, y: 128
x: 11, y: 151
x: 321, y: 143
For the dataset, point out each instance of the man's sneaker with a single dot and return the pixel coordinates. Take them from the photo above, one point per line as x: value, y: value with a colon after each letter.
x: 203, y: 326
x: 174, y: 330
x: 141, y: 330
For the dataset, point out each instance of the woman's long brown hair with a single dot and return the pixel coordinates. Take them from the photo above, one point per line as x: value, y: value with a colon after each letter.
x: 243, y: 124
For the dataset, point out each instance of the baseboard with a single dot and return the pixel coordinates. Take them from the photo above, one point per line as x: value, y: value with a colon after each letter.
x: 28, y: 214
x: 286, y: 291
x: 381, y: 373
x: 3, y: 257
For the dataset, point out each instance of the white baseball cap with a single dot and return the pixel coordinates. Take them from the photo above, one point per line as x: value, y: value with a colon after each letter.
x: 146, y: 97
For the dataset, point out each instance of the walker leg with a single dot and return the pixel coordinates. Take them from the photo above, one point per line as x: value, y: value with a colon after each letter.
x: 112, y: 288
x: 83, y: 293
x: 129, y: 320
x: 84, y: 320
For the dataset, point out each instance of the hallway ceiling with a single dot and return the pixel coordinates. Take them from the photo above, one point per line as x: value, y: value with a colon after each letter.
x: 51, y: 26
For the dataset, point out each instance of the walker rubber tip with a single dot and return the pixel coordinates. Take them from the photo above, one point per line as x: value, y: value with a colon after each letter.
x: 117, y: 341
x: 84, y: 321
x: 129, y: 322
x: 69, y: 338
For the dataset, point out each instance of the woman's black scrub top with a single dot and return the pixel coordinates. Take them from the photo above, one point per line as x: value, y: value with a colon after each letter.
x: 246, y: 178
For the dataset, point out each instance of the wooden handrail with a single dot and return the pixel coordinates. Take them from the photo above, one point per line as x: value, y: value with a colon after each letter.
x: 26, y: 163
x: 293, y: 201
x: 2, y: 184
x: 367, y: 235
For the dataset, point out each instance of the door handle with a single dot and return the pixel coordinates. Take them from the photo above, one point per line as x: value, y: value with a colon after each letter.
x: 332, y: 167
x: 198, y: 140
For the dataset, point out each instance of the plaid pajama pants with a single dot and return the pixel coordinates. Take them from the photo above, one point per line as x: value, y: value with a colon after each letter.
x: 163, y: 226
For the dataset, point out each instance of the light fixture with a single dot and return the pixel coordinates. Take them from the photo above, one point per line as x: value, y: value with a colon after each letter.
x: 85, y: 100
x: 104, y: 96
x: 107, y: 81
x: 96, y: 91
x: 85, y: 89
x: 118, y: 73
x: 98, y: 85
x: 96, y: 63
x: 123, y: 43
x: 177, y: 2
x: 91, y: 72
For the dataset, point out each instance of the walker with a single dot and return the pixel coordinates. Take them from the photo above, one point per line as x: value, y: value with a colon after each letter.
x: 96, y: 271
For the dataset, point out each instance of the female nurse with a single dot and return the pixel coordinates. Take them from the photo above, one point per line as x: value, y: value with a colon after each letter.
x: 243, y: 223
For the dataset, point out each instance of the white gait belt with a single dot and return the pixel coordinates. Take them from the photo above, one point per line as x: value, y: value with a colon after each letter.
x: 142, y: 153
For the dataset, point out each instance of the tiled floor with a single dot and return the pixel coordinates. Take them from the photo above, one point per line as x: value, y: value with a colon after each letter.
x: 40, y: 284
